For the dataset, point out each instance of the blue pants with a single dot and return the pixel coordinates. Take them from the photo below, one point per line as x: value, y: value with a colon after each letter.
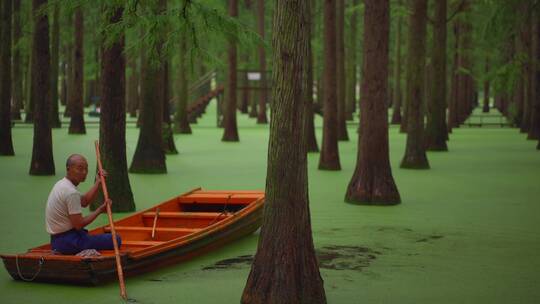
x: 75, y: 241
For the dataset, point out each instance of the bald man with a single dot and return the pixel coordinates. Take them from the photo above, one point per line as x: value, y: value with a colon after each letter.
x: 63, y: 215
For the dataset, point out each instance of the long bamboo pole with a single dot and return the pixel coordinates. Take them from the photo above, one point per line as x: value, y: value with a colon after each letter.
x: 111, y: 223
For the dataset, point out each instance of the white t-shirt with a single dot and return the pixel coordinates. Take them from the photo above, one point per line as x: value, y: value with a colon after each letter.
x: 63, y: 200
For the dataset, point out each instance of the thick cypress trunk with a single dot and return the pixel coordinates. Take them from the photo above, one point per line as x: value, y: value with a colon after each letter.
x: 396, y: 113
x: 149, y: 156
x: 181, y: 122
x: 485, y: 108
x: 54, y: 118
x: 17, y: 87
x: 244, y: 98
x: 263, y: 93
x: 6, y: 142
x: 436, y: 130
x: 76, y: 124
x: 415, y: 153
x: 285, y: 268
x: 372, y: 182
x: 42, y: 155
x: 230, y: 128
x: 340, y: 71
x: 329, y: 159
x: 350, y: 89
x: 63, y: 84
x: 112, y: 127
x: 311, y: 139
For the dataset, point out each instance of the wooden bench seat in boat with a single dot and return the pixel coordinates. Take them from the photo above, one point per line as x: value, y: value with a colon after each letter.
x: 141, y: 243
x: 187, y: 215
x: 149, y: 229
x: 218, y: 198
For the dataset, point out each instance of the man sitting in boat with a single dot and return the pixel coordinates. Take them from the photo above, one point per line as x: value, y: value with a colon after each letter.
x: 64, y: 220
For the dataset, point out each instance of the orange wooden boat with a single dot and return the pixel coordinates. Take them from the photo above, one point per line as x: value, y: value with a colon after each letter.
x: 179, y: 229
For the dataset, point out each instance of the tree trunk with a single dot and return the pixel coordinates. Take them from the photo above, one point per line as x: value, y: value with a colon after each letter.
x: 329, y: 159
x: 76, y: 124
x: 263, y: 93
x: 181, y: 123
x: 244, y: 98
x: 17, y: 87
x: 485, y: 108
x: 6, y: 141
x: 69, y: 77
x: 168, y: 139
x: 534, y: 132
x: 55, y: 44
x: 132, y: 91
x: 415, y: 153
x: 149, y: 156
x: 436, y: 130
x: 526, y: 35
x: 230, y: 131
x: 112, y: 127
x: 454, y: 86
x: 396, y: 113
x: 350, y: 90
x: 285, y: 268
x: 42, y: 155
x: 28, y: 105
x: 372, y: 182
x: 311, y: 139
x: 340, y: 71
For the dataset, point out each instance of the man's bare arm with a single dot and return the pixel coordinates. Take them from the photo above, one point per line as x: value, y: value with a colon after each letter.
x: 79, y: 222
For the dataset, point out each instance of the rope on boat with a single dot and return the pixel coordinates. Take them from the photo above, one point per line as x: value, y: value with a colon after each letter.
x: 224, y: 211
x: 40, y: 264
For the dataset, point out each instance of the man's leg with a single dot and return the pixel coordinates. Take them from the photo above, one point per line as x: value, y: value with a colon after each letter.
x: 101, y: 242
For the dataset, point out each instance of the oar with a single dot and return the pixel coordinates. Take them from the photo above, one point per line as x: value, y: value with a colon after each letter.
x: 111, y: 223
x: 155, y: 223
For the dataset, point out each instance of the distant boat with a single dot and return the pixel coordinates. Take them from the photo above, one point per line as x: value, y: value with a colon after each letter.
x: 179, y: 229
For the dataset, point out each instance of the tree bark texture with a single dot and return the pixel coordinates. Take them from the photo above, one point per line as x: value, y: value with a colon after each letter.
x: 42, y: 155
x: 351, y: 67
x: 285, y: 268
x: 112, y: 126
x: 76, y: 124
x: 17, y: 87
x: 436, y: 129
x: 181, y: 123
x: 415, y: 153
x: 6, y: 141
x: 54, y: 117
x: 340, y: 71
x: 372, y: 182
x: 263, y: 93
x: 230, y: 131
x: 396, y: 113
x: 329, y: 159
x: 149, y: 156
x: 311, y: 139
